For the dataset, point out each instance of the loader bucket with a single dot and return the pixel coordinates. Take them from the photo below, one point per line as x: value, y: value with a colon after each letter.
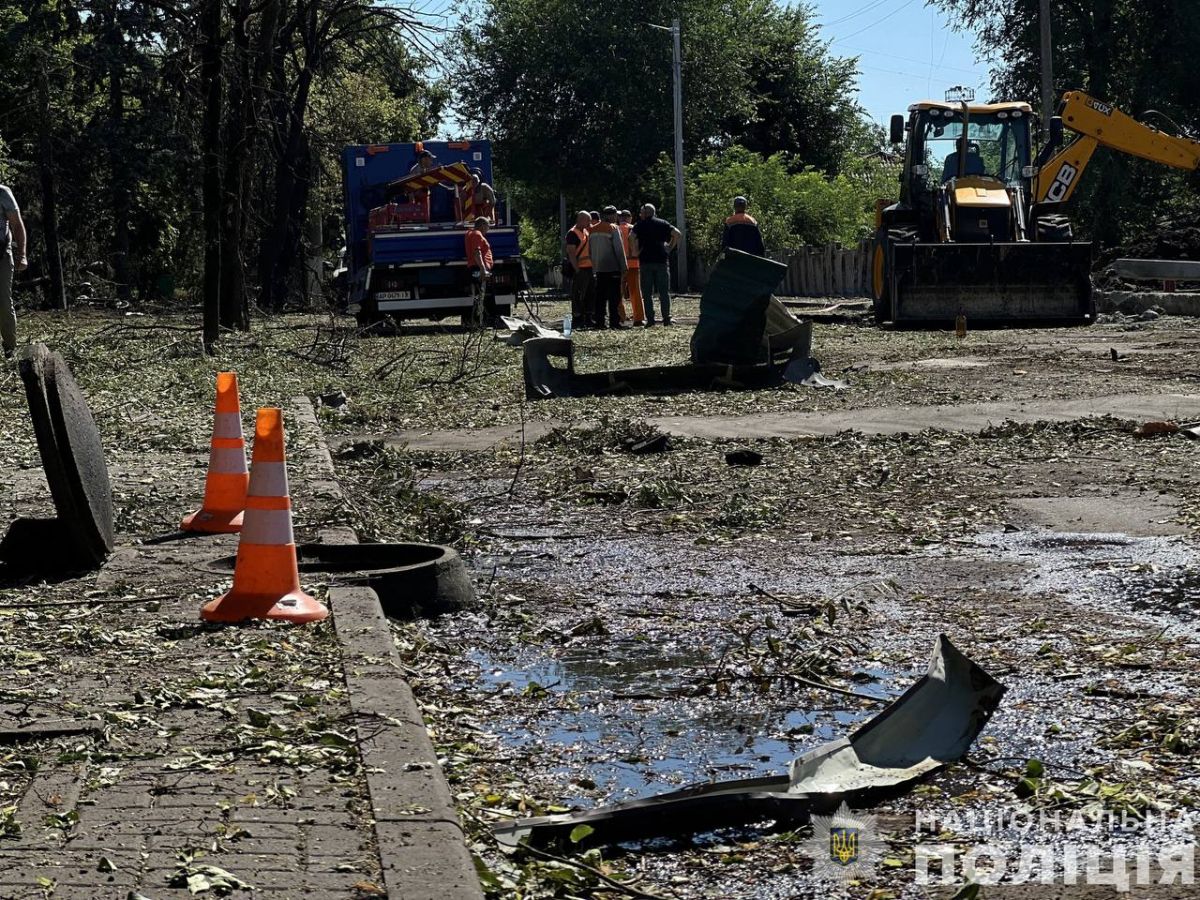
x: 992, y: 284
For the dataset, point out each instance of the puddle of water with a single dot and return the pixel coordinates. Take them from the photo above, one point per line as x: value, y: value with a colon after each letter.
x: 616, y: 719
x: 1140, y: 576
x: 1176, y: 592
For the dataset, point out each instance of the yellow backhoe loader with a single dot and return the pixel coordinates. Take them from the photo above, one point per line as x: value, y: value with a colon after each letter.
x: 1098, y: 124
x: 979, y: 230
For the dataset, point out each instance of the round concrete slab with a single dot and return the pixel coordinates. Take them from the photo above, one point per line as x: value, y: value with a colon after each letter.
x: 35, y: 361
x: 82, y: 457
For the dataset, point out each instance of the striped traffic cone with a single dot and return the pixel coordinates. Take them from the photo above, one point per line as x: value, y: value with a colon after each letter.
x: 225, y: 484
x: 266, y: 581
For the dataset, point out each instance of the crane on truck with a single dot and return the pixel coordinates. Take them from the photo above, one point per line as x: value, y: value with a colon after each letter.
x: 979, y: 229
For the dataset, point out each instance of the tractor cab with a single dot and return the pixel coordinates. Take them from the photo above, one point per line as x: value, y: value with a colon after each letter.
x: 967, y: 169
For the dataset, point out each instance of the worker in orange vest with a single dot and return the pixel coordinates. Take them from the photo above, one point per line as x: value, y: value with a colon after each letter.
x: 579, y: 255
x: 741, y: 231
x: 426, y: 162
x: 633, y: 283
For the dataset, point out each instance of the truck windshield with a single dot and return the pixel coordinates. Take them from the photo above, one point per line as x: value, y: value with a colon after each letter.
x: 997, y: 144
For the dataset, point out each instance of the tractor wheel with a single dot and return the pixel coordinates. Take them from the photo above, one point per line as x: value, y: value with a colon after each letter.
x: 1054, y: 228
x: 879, y: 281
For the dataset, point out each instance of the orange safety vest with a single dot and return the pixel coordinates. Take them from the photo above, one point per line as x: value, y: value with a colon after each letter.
x: 584, y: 259
x: 632, y: 261
x: 740, y: 219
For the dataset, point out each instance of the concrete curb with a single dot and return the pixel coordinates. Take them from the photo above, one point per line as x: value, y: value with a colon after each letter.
x: 421, y: 841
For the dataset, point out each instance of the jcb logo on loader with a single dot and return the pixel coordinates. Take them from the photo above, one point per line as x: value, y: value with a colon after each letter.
x: 1102, y: 108
x: 1062, y: 183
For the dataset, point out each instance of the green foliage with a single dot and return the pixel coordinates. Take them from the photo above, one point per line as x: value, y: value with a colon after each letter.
x: 804, y: 98
x: 793, y: 205
x: 540, y: 246
x: 123, y: 119
x: 578, y: 96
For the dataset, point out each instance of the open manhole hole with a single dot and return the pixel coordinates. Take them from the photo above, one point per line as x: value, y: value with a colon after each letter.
x: 411, y: 580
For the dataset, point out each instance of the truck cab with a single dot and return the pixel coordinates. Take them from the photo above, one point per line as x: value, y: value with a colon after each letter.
x: 406, y: 246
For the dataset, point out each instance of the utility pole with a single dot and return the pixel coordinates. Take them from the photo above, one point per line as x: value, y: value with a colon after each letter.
x: 1047, y: 69
x: 680, y: 212
x: 681, y: 268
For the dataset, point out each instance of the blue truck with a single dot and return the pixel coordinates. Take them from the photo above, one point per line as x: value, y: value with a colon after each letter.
x: 405, y: 254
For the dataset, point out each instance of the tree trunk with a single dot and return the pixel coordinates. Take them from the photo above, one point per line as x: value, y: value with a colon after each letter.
x: 279, y: 241
x: 56, y: 291
x: 210, y: 80
x: 235, y: 312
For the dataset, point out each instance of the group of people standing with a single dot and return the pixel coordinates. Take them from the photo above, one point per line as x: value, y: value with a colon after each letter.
x: 611, y: 259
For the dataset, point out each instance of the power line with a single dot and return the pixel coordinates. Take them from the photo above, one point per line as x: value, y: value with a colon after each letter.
x: 911, y: 59
x: 879, y: 21
x: 865, y: 9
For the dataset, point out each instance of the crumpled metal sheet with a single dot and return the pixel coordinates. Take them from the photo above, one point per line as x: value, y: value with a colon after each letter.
x: 520, y: 330
x: 806, y: 371
x: 544, y: 379
x: 733, y: 309
x: 932, y: 723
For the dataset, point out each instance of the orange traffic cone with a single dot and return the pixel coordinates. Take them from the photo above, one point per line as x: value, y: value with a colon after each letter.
x: 225, y: 485
x: 266, y: 581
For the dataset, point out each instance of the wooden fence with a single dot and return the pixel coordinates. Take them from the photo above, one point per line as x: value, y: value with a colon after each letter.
x: 832, y: 271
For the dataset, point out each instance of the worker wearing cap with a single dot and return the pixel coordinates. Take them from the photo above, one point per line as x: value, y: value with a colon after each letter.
x: 607, y: 248
x: 742, y: 231
x: 633, y: 284
x: 426, y: 162
x: 582, y: 282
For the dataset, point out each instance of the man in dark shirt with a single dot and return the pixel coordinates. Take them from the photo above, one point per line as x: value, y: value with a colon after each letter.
x: 741, y: 231
x: 653, y: 239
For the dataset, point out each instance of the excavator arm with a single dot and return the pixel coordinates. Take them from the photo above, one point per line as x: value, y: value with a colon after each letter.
x: 1102, y: 125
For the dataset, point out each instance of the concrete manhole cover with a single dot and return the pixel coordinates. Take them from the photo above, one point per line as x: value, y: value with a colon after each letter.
x: 82, y: 457
x: 73, y: 459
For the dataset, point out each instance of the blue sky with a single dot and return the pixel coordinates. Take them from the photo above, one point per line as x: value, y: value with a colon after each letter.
x: 906, y: 51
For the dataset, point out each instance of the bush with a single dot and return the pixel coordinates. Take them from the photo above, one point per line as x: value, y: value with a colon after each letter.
x: 793, y: 205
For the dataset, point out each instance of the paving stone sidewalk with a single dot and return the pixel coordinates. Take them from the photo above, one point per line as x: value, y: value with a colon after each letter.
x: 205, y: 755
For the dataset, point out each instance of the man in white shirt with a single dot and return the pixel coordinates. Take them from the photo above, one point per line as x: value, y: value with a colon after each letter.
x: 12, y: 259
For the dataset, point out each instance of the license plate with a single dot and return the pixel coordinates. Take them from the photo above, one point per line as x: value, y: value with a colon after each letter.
x: 394, y: 295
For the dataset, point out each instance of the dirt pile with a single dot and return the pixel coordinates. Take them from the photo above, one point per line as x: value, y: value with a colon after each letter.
x: 1171, y: 240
